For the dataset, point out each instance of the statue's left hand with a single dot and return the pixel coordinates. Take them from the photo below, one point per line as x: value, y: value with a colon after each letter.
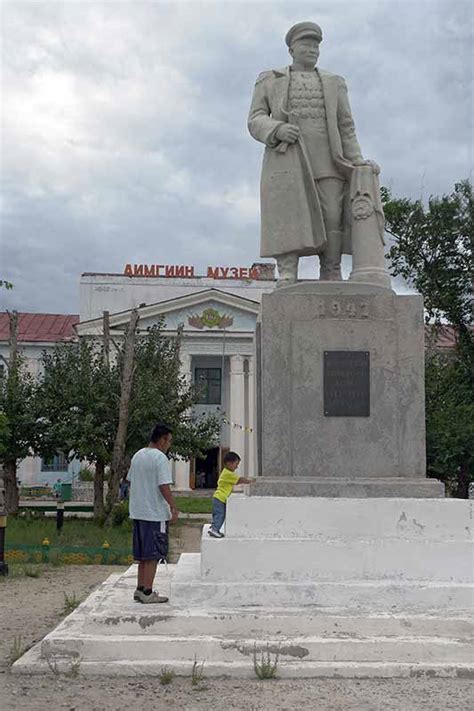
x: 375, y: 166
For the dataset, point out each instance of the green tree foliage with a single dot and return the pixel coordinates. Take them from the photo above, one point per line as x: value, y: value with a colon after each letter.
x: 77, y: 400
x: 432, y: 250
x: 78, y: 403
x: 450, y: 421
x: 4, y: 433
x: 21, y: 431
x: 160, y: 392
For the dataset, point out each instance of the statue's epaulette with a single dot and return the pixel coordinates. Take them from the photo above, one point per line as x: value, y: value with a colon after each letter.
x: 263, y: 76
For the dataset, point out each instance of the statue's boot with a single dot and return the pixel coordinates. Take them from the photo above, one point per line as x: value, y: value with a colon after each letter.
x: 330, y: 259
x: 287, y: 269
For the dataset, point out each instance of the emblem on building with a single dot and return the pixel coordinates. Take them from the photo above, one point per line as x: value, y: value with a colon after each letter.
x: 210, y: 318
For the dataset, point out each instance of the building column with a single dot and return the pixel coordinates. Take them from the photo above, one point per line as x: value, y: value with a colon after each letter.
x: 252, y: 418
x: 181, y: 466
x: 237, y: 408
x: 185, y: 367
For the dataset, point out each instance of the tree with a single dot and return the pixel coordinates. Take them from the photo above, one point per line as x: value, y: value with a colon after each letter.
x: 17, y: 400
x: 450, y: 421
x: 77, y: 400
x: 432, y: 250
x: 160, y: 393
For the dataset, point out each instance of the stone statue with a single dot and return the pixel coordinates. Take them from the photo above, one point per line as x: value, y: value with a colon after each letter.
x: 302, y: 115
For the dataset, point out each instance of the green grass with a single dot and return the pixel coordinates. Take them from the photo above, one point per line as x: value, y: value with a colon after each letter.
x: 80, y: 533
x: 70, y: 603
x: 76, y: 532
x: 194, y: 504
x: 24, y: 570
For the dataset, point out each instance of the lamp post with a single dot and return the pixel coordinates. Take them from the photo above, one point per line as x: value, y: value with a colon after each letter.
x: 3, y: 525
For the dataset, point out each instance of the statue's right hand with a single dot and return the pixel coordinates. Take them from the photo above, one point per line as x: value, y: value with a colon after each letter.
x: 288, y: 132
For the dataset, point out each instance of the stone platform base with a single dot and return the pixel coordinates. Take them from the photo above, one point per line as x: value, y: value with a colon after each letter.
x: 336, y: 587
x: 340, y: 487
x: 109, y: 634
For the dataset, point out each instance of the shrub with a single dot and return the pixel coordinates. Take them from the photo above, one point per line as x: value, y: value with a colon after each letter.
x: 86, y: 475
x: 120, y: 513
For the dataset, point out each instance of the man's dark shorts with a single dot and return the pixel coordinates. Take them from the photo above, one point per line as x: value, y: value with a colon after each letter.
x: 150, y: 540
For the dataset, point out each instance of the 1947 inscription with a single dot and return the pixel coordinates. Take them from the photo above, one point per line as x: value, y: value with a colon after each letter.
x: 346, y: 384
x: 342, y: 308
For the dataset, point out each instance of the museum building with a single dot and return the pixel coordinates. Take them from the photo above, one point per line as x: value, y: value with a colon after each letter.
x: 217, y: 311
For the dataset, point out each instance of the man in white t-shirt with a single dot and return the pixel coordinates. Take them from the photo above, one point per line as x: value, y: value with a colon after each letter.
x: 151, y: 507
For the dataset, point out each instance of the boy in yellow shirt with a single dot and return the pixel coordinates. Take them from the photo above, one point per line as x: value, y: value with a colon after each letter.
x: 227, y: 480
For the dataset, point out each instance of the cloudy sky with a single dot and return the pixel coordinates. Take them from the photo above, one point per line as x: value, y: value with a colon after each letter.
x: 124, y: 128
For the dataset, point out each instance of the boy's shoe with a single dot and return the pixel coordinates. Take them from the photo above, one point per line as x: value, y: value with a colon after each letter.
x: 153, y: 597
x: 215, y: 534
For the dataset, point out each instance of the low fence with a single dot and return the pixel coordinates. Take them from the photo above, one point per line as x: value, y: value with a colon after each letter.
x: 67, y: 555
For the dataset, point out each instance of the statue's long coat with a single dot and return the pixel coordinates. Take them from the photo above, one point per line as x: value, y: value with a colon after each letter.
x: 291, y: 218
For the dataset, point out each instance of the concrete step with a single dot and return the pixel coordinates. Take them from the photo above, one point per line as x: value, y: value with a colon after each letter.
x: 352, y: 519
x: 310, y: 559
x: 33, y: 663
x: 242, y: 624
x: 227, y: 649
x: 189, y: 590
x: 352, y: 486
x: 110, y: 634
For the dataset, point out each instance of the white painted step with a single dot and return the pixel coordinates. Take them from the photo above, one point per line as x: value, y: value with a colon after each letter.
x: 101, y: 637
x: 324, y: 518
x: 33, y: 663
x: 244, y: 623
x: 309, y: 559
x: 226, y: 649
x: 189, y: 590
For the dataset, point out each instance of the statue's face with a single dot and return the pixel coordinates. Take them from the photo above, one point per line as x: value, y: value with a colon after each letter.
x: 305, y: 50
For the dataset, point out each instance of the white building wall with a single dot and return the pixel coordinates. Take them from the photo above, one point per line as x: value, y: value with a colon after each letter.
x: 116, y: 292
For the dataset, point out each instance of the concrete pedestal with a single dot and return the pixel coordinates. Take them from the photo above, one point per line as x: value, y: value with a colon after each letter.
x: 301, y: 326
x: 370, y: 555
x: 336, y: 587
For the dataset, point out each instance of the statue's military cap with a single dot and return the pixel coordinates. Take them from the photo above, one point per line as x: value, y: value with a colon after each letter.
x: 303, y: 29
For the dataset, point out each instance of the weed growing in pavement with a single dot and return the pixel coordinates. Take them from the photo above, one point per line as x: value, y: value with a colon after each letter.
x: 70, y: 603
x: 266, y: 668
x: 33, y: 571
x: 197, y: 674
x: 52, y: 666
x: 72, y: 672
x: 166, y: 676
x: 17, y: 650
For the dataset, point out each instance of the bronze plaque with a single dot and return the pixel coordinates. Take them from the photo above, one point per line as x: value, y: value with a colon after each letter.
x: 346, y: 384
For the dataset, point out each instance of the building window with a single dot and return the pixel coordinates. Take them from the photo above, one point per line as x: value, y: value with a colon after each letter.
x: 208, y: 383
x: 58, y: 463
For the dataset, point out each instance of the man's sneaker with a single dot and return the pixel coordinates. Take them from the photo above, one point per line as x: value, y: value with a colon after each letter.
x: 215, y: 534
x: 152, y: 598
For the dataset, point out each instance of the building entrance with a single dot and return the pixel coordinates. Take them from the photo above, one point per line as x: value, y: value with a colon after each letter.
x: 207, y: 469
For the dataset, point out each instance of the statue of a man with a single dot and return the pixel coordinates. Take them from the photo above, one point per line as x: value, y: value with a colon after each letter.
x: 302, y: 115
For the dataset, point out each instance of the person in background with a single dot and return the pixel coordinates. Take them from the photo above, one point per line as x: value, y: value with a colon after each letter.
x: 152, y: 508
x: 225, y: 484
x: 124, y: 489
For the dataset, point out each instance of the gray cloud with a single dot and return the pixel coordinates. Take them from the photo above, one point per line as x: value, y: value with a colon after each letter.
x: 124, y: 137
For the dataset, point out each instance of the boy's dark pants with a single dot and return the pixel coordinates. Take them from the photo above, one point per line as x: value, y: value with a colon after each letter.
x: 218, y: 514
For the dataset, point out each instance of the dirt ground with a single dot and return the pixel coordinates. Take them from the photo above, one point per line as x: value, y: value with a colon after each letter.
x: 31, y: 607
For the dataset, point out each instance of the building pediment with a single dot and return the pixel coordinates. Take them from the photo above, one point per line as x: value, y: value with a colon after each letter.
x: 210, y: 310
